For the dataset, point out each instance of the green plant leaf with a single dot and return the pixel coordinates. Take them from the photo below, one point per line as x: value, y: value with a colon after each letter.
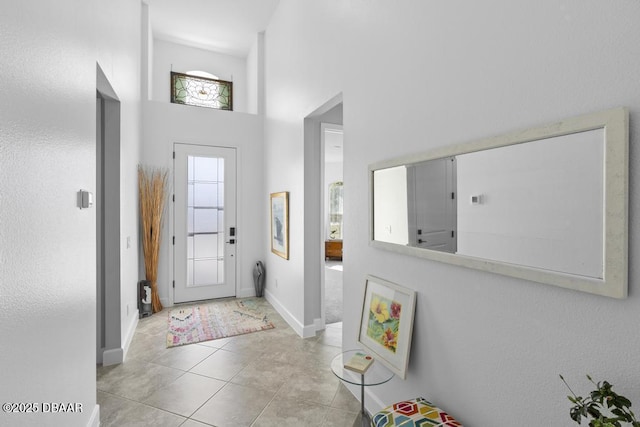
x: 620, y: 413
x: 593, y: 411
x: 576, y: 414
x: 591, y: 406
x: 623, y: 401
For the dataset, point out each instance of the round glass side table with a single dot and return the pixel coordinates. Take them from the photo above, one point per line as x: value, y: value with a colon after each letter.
x: 376, y: 374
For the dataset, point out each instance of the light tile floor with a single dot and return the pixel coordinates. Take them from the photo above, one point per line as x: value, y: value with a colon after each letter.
x: 262, y: 379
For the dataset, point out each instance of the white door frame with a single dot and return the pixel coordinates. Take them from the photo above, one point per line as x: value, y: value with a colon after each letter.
x: 313, y: 318
x: 230, y: 222
x: 110, y: 349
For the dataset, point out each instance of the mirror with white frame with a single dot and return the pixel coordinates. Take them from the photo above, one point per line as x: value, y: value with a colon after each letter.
x: 548, y: 204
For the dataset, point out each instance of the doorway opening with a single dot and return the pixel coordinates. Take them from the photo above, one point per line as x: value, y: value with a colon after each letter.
x: 333, y: 195
x: 107, y: 201
x: 315, y: 230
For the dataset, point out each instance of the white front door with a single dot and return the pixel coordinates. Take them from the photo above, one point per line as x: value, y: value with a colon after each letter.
x: 204, y: 222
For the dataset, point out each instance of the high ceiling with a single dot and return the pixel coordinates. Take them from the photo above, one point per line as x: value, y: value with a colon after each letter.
x: 225, y: 26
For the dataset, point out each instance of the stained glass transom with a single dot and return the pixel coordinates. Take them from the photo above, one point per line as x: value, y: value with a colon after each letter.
x: 201, y: 91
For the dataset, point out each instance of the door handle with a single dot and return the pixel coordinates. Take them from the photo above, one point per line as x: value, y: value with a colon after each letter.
x: 232, y: 233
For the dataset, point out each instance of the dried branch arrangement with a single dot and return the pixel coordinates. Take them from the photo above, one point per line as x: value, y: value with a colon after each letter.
x: 152, y: 185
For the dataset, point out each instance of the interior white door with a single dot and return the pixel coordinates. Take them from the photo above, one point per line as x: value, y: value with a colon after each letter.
x: 432, y: 188
x: 204, y: 222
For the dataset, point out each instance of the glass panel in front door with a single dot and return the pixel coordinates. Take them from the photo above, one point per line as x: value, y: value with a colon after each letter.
x: 205, y: 221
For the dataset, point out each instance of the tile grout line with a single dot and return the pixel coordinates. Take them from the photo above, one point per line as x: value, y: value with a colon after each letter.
x: 319, y: 347
x: 145, y: 404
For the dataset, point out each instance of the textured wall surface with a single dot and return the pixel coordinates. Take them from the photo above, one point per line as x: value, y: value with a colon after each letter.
x: 47, y: 152
x: 422, y: 74
x: 47, y: 249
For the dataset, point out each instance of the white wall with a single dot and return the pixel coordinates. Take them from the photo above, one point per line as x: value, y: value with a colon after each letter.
x: 255, y: 76
x: 165, y: 124
x: 168, y: 56
x: 146, y: 47
x: 486, y: 347
x: 119, y: 55
x: 47, y: 146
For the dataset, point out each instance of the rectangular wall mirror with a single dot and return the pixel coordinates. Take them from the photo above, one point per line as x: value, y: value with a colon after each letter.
x: 547, y: 204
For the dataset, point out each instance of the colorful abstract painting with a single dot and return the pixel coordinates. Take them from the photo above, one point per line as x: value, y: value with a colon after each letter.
x: 384, y: 322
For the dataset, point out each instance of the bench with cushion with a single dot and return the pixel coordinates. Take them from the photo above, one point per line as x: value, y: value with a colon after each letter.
x: 413, y: 413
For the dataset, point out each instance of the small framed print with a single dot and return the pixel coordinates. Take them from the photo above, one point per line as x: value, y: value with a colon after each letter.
x: 386, y: 323
x: 280, y: 224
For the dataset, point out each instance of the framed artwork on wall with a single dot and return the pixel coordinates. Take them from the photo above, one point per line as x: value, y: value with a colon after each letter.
x: 386, y: 323
x: 280, y: 224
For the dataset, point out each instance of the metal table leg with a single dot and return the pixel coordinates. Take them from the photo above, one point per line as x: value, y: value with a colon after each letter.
x: 366, y: 421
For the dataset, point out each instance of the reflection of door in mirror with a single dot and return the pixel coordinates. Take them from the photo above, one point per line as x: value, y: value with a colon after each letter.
x: 335, y: 210
x: 431, y: 188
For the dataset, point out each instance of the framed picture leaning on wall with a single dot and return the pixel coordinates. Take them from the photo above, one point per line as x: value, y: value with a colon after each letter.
x: 386, y: 323
x: 280, y: 224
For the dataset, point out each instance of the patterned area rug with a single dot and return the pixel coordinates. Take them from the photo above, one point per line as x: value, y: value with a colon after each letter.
x: 220, y: 319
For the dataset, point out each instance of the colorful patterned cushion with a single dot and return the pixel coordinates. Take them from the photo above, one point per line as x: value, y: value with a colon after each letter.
x: 413, y: 413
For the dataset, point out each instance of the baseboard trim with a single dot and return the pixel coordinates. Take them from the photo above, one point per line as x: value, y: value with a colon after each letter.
x: 131, y: 330
x: 300, y: 329
x: 112, y: 356
x: 115, y: 356
x: 94, y: 421
x: 308, y: 331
